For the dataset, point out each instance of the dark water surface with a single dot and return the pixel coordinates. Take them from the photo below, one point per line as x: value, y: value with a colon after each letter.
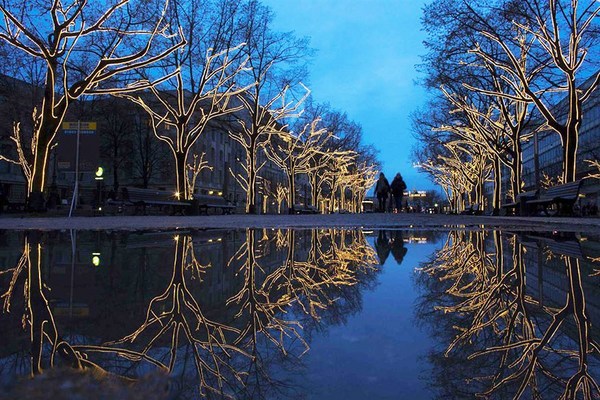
x: 319, y: 314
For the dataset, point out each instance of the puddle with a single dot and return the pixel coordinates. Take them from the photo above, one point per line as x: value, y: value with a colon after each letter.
x: 273, y: 313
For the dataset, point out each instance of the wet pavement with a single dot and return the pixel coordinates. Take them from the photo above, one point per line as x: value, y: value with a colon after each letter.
x: 364, y: 221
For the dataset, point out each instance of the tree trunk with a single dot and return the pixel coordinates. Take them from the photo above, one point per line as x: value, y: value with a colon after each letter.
x: 497, y: 186
x: 52, y: 115
x: 570, y: 136
x: 181, y: 188
x: 115, y: 176
x: 314, y: 189
x: 517, y: 170
x: 292, y: 191
x: 251, y: 193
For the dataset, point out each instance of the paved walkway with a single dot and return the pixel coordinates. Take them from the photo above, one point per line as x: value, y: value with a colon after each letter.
x: 366, y: 221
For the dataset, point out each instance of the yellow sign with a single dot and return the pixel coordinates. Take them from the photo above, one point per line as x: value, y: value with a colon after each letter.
x: 83, y: 125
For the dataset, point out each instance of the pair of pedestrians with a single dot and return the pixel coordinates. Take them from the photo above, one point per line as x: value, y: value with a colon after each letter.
x: 383, y: 189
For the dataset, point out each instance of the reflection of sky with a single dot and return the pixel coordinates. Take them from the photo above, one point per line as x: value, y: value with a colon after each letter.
x: 365, y: 65
x: 379, y: 353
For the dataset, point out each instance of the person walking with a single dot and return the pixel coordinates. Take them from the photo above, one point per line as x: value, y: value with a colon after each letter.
x: 398, y: 188
x: 382, y: 190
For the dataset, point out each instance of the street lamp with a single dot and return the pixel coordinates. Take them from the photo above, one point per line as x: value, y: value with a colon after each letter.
x: 99, y: 181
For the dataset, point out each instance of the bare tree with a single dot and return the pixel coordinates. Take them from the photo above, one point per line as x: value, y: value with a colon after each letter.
x: 277, y: 64
x: 562, y: 32
x: 293, y: 153
x: 201, y: 89
x: 85, y: 51
x: 254, y: 134
x: 117, y: 124
x: 148, y: 156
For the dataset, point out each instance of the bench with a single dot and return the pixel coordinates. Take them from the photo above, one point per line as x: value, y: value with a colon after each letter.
x: 305, y: 209
x: 14, y: 201
x: 566, y: 244
x: 520, y: 203
x: 206, y: 201
x: 143, y: 198
x: 473, y: 209
x: 564, y: 196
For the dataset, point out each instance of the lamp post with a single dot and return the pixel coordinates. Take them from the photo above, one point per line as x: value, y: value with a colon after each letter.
x: 99, y: 183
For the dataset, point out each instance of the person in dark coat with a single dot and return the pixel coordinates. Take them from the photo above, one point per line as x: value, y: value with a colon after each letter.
x: 397, y: 247
x: 382, y: 189
x: 382, y: 246
x: 398, y: 187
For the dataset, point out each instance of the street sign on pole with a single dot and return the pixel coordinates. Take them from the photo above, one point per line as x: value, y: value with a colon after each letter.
x: 73, y: 136
x: 89, y: 147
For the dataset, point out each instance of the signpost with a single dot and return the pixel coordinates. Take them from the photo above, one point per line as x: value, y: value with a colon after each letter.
x: 71, y: 138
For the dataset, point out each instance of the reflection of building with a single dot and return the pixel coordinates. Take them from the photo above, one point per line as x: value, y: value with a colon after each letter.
x: 547, y: 279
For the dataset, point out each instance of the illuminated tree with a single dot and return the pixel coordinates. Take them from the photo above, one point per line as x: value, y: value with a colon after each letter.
x: 293, y: 153
x: 468, y: 168
x: 276, y: 64
x: 48, y: 348
x: 179, y: 118
x: 193, y: 170
x: 563, y: 32
x: 360, y: 182
x: 280, y: 195
x: 255, y: 131
x: 596, y: 165
x: 485, y: 130
x: 85, y: 52
x: 177, y: 316
x: 337, y: 170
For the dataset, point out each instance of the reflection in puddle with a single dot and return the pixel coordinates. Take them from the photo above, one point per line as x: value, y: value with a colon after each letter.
x: 227, y: 313
x: 254, y: 314
x: 513, y: 316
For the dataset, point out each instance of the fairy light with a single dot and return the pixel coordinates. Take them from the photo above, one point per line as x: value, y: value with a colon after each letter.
x: 254, y: 135
x: 69, y: 27
x: 180, y: 125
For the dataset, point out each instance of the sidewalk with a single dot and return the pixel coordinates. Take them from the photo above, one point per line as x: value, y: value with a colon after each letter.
x: 364, y: 221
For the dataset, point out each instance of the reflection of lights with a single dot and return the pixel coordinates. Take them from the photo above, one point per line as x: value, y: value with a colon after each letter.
x: 96, y: 259
x: 415, y: 240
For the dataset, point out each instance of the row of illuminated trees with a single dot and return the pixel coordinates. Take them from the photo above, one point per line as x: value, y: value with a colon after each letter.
x: 502, y: 71
x: 185, y: 63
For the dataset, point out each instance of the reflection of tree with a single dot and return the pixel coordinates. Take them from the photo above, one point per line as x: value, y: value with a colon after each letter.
x: 176, y: 315
x: 506, y: 343
x: 281, y: 285
x: 48, y: 347
x: 282, y: 302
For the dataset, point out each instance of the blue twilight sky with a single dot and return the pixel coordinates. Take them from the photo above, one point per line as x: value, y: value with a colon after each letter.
x: 365, y: 65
